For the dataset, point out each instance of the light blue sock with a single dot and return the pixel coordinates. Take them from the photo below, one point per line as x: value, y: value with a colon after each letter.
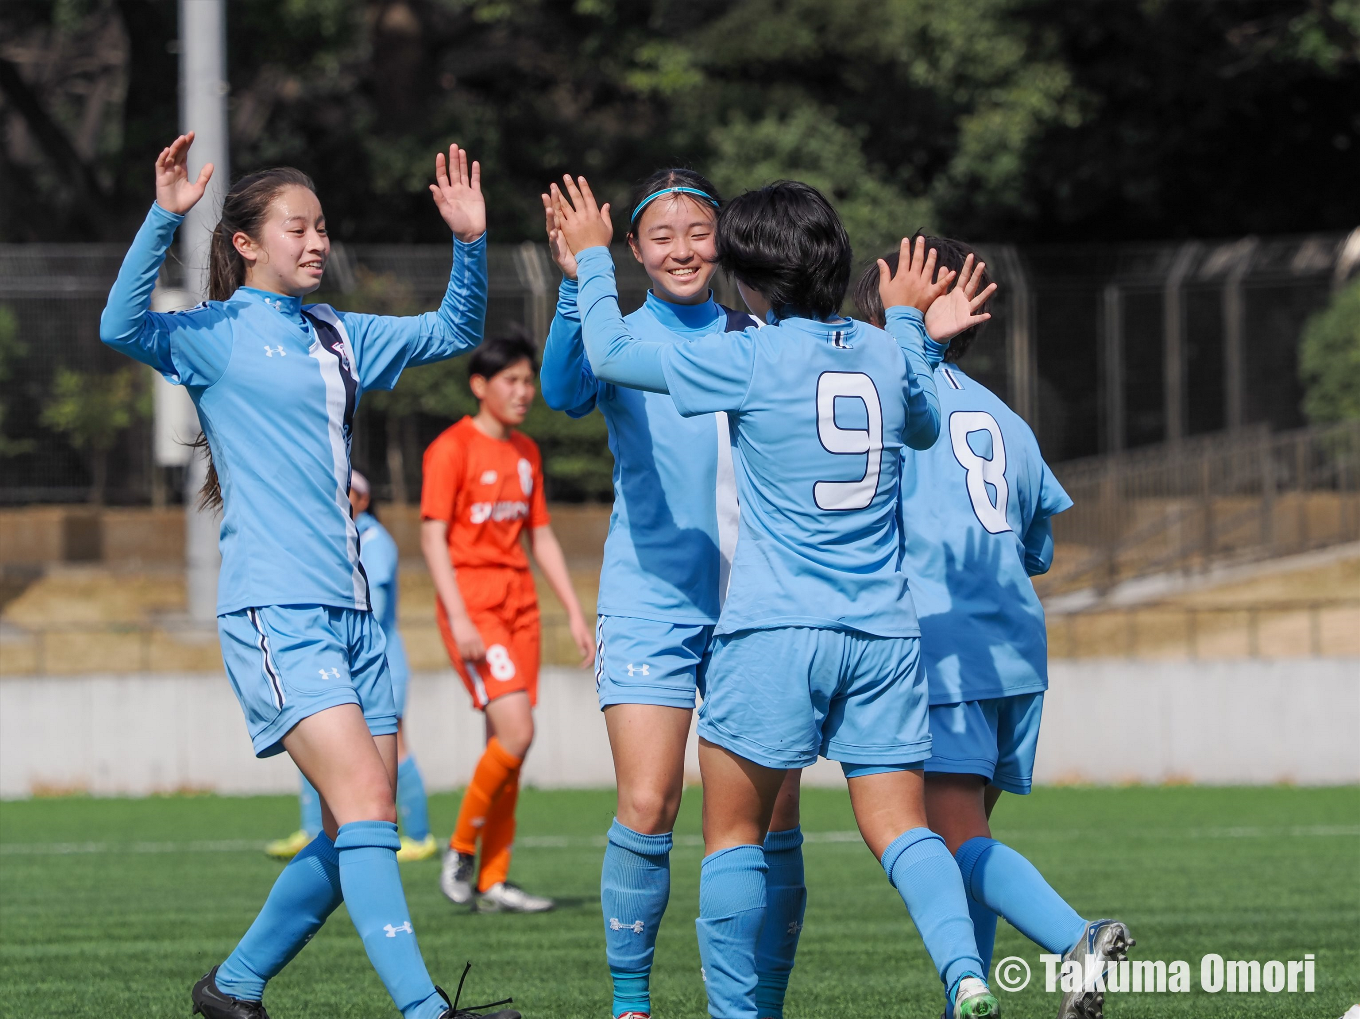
x: 305, y: 894
x: 411, y: 806
x: 926, y: 876
x: 635, y: 885
x: 377, y: 905
x: 731, y: 911
x: 1003, y: 880
x: 984, y: 929
x: 785, y: 903
x: 309, y: 805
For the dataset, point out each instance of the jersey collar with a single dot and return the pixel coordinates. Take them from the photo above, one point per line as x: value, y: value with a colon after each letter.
x: 683, y: 318
x: 289, y: 307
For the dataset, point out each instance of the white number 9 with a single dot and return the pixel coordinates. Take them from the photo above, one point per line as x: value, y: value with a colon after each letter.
x: 981, y: 471
x: 865, y: 442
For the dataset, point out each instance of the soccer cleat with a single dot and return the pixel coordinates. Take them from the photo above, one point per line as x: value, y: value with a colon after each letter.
x: 211, y: 1003
x: 473, y: 1011
x: 973, y: 1000
x: 1105, y: 941
x: 411, y: 850
x: 455, y: 877
x: 286, y: 849
x: 634, y: 1015
x: 504, y: 897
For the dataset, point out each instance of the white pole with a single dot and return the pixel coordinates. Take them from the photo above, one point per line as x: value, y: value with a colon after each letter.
x: 203, y: 110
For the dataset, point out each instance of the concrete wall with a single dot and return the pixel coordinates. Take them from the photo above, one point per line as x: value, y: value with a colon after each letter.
x: 1105, y: 722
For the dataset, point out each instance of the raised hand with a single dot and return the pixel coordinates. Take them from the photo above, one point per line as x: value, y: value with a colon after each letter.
x: 583, y: 223
x: 557, y: 244
x: 174, y: 191
x: 957, y: 310
x: 458, y: 194
x: 915, y: 285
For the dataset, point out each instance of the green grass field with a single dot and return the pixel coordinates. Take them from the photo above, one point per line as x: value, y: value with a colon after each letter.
x: 112, y: 908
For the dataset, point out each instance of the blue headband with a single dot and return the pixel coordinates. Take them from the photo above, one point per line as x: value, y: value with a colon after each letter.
x: 672, y: 191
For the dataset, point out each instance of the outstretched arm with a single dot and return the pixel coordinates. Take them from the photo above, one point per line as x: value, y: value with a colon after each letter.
x: 615, y: 355
x: 567, y: 381
x: 907, y: 298
x: 385, y: 344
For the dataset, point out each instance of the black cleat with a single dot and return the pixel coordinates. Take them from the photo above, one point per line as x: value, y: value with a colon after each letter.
x: 211, y: 1003
x: 473, y: 1011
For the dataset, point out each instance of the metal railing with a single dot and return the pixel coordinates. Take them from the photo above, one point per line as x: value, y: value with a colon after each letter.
x: 1228, y: 497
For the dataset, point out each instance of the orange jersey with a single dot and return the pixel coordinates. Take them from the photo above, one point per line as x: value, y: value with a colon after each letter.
x: 487, y: 491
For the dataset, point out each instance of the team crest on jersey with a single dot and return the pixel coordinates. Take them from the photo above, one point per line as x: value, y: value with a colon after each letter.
x: 526, y: 477
x: 489, y: 477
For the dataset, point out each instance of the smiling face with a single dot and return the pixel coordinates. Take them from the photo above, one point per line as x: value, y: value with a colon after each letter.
x: 675, y: 239
x: 289, y: 255
x: 508, y: 394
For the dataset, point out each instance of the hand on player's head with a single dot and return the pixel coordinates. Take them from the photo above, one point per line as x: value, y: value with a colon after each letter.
x: 916, y: 284
x: 457, y: 194
x: 957, y: 310
x: 557, y: 244
x: 175, y: 192
x: 583, y: 223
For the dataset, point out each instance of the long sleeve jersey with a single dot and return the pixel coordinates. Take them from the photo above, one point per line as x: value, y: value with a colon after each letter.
x: 276, y: 386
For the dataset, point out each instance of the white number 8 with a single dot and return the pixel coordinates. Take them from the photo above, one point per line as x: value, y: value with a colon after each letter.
x: 500, y: 663
x: 981, y: 471
x: 866, y: 442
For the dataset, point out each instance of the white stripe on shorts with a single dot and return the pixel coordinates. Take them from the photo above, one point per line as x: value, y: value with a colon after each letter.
x: 599, y: 652
x: 477, y: 685
x: 270, y: 671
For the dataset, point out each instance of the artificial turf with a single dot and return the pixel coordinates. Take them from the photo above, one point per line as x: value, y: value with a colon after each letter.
x: 112, y: 908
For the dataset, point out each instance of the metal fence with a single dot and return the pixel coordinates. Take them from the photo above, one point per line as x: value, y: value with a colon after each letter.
x: 1207, y: 501
x: 1100, y: 348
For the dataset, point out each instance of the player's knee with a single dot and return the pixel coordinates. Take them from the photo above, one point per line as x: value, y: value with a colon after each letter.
x: 649, y: 811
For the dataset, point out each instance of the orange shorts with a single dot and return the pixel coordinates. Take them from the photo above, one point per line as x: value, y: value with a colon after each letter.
x: 503, y: 605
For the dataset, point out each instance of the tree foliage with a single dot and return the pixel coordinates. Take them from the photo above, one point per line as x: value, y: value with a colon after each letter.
x: 93, y: 410
x: 1329, y: 359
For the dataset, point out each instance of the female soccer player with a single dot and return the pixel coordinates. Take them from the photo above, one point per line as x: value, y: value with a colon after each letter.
x: 981, y: 503
x: 816, y: 648
x: 276, y: 385
x: 378, y: 556
x: 482, y: 494
x: 666, y: 560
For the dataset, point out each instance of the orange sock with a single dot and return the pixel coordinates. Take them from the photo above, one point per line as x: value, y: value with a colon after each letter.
x: 495, y: 768
x: 498, y: 836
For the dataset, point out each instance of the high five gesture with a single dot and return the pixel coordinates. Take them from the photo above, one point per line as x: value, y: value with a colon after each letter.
x: 583, y: 223
x: 458, y: 194
x: 175, y: 192
x: 957, y: 310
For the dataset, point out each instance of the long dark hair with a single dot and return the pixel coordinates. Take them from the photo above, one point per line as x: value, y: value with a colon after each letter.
x: 950, y: 254
x: 244, y: 210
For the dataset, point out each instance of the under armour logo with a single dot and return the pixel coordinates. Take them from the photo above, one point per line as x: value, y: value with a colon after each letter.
x: 794, y: 927
x: 645, y: 670
x: 838, y: 340
x: 329, y: 673
x: 392, y: 932
x: 636, y: 926
x: 271, y: 351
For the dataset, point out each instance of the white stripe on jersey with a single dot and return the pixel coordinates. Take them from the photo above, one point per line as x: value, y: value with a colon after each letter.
x: 950, y: 377
x: 335, y: 416
x: 728, y: 509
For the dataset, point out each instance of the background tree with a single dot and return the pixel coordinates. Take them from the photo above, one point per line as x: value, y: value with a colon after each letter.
x: 11, y: 350
x: 92, y: 410
x: 1329, y: 359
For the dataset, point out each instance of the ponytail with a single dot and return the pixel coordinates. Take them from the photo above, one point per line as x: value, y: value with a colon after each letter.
x: 244, y: 210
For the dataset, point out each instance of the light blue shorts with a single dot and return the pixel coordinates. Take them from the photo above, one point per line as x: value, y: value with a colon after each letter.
x: 783, y: 696
x: 643, y: 661
x: 287, y: 662
x: 994, y: 738
x: 401, y: 679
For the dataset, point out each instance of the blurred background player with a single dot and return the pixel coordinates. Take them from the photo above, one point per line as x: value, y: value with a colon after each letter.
x: 815, y: 652
x: 378, y: 554
x: 979, y: 506
x: 482, y: 495
x: 672, y: 534
x: 276, y: 386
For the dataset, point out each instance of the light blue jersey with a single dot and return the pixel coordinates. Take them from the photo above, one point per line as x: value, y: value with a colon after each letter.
x: 821, y: 412
x: 674, y: 524
x: 378, y: 554
x: 977, y: 508
x: 276, y: 391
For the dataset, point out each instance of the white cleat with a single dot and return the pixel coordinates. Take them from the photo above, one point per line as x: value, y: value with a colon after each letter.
x: 504, y: 897
x: 974, y: 1000
x: 455, y: 877
x: 1105, y: 941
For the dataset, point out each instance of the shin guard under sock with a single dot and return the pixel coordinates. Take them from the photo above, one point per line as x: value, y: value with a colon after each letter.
x: 305, y: 893
x: 412, y: 807
x: 1008, y: 884
x: 377, y: 905
x: 635, y: 885
x: 926, y: 876
x: 731, y: 911
x: 785, y: 903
